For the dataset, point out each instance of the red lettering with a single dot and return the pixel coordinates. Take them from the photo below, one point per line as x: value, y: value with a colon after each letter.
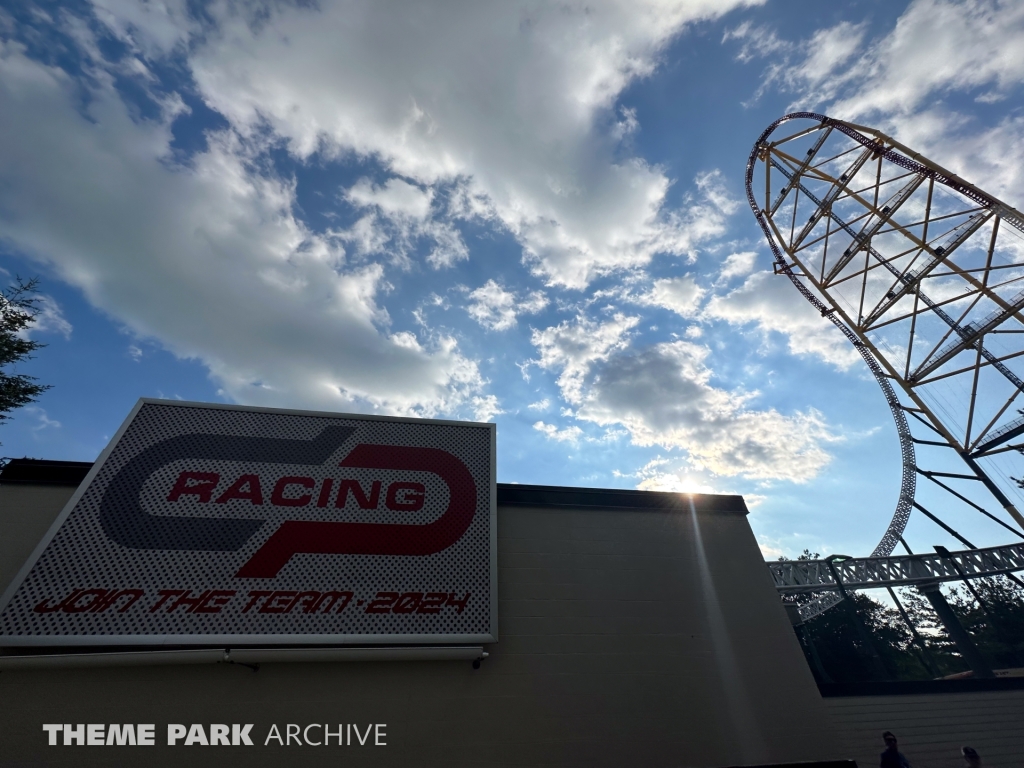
x: 307, y: 600
x: 364, y: 501
x: 460, y: 604
x: 114, y: 596
x: 102, y: 599
x: 254, y: 597
x: 408, y: 602
x: 432, y: 602
x: 288, y: 595
x: 165, y: 595
x: 335, y: 538
x: 190, y: 603
x: 325, y: 493
x: 329, y: 599
x: 214, y: 600
x: 73, y: 606
x: 411, y: 501
x: 42, y: 607
x: 383, y: 603
x: 278, y: 497
x: 203, y: 487
x: 136, y: 594
x: 245, y: 487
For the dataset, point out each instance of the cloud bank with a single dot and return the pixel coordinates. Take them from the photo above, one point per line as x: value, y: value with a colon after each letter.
x: 501, y: 114
x: 663, y: 396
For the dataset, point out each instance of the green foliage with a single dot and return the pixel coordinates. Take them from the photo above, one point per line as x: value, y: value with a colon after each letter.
x: 18, y: 308
x: 997, y: 628
x: 843, y: 652
x: 997, y: 622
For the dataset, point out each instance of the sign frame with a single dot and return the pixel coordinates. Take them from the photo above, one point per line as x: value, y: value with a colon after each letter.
x: 241, y: 640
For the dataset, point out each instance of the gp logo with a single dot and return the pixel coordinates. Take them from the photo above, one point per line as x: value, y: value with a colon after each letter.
x: 124, y: 520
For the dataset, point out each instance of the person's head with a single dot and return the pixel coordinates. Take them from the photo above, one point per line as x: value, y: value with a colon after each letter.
x: 890, y: 740
x: 971, y: 757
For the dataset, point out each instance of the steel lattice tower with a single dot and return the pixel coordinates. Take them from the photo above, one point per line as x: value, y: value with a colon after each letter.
x: 924, y: 274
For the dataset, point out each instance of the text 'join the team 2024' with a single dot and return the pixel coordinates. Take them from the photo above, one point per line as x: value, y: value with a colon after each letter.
x: 257, y: 600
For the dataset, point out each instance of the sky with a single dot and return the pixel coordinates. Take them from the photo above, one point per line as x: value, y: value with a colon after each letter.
x: 521, y: 212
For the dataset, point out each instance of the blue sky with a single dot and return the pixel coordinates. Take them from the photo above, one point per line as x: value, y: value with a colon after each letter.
x: 521, y: 212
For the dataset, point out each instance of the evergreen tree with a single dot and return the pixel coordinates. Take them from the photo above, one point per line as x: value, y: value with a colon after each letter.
x: 18, y: 308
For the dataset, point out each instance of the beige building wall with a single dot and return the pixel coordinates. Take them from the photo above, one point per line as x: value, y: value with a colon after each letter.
x: 931, y: 728
x: 26, y: 514
x: 628, y: 637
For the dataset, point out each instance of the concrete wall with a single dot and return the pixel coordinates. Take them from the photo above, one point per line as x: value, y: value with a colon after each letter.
x: 931, y: 728
x: 628, y: 637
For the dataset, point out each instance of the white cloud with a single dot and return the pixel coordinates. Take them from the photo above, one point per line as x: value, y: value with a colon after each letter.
x: 497, y: 309
x: 673, y: 476
x: 826, y: 52
x: 754, y: 500
x: 682, y: 295
x: 503, y: 96
x: 540, y: 405
x: 152, y: 29
x: 43, y: 421
x: 757, y: 41
x: 572, y: 347
x: 938, y: 46
x: 48, y: 319
x: 774, y: 305
x: 737, y: 265
x: 812, y: 67
x: 485, y: 407
x: 902, y: 83
x: 664, y: 397
x: 494, y: 112
x: 628, y: 125
x: 97, y: 196
x: 567, y: 435
x: 770, y: 550
x: 396, y: 198
x: 431, y: 301
x: 401, y: 214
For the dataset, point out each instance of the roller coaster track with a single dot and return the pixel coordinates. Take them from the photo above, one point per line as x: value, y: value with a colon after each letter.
x: 802, y: 576
x: 866, y: 290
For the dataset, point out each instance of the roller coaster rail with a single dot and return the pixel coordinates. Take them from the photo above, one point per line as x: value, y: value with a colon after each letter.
x: 906, y: 259
x: 797, y: 576
x: 819, y: 576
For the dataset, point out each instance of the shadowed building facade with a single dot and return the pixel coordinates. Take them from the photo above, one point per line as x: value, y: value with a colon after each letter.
x: 636, y: 628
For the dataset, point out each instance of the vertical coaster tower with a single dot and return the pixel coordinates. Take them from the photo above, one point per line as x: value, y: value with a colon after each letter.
x: 924, y: 274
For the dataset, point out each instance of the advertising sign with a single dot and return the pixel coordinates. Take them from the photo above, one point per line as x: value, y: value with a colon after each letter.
x: 209, y: 523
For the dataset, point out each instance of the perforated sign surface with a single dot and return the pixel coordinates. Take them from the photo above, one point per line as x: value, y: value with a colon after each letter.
x: 206, y: 523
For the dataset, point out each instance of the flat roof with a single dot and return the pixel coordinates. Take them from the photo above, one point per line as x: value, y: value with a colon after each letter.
x: 27, y: 471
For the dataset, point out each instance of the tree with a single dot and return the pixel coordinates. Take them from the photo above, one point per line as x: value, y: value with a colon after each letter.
x: 18, y: 308
x: 842, y: 650
x: 996, y: 625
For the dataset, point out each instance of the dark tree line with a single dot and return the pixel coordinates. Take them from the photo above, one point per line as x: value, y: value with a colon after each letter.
x: 993, y: 615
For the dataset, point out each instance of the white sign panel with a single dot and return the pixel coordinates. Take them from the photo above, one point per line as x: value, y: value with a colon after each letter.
x: 207, y: 523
